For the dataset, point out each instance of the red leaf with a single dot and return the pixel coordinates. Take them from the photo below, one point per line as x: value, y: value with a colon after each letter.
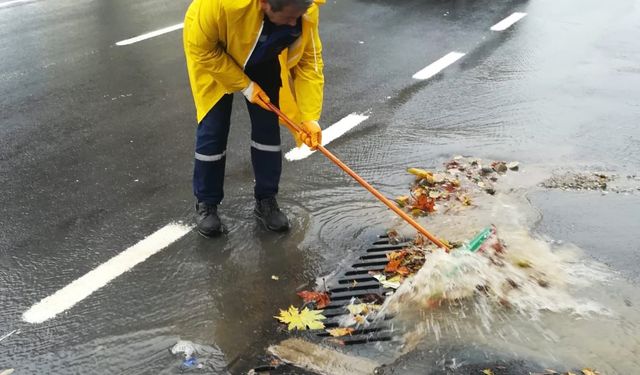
x: 321, y: 299
x: 425, y: 203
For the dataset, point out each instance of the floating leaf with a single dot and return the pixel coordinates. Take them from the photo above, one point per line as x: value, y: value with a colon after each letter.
x: 424, y: 203
x: 301, y: 320
x: 321, y: 299
x: 487, y: 371
x: 588, y: 371
x: 402, y: 200
x: 466, y: 201
x: 339, y: 332
x: 421, y: 173
x: 514, y: 165
x: 523, y: 263
x: 438, y: 178
x: 274, y: 277
x: 435, y: 194
x: 499, y: 166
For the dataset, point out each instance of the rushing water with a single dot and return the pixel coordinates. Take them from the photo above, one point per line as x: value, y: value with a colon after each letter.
x: 563, y: 310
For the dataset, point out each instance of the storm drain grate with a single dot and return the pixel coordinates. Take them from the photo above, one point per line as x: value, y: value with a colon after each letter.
x: 358, y: 284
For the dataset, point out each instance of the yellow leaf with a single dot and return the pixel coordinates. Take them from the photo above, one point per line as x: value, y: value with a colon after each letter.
x: 362, y: 308
x: 392, y: 283
x: 466, y: 201
x: 402, y: 200
x: 338, y: 332
x: 301, y: 319
x: 523, y: 263
x: 588, y: 371
x: 487, y: 371
x: 360, y: 319
x: 421, y: 173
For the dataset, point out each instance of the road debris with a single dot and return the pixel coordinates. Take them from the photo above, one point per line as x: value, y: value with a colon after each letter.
x: 578, y: 181
x: 196, y: 357
x: 434, y: 191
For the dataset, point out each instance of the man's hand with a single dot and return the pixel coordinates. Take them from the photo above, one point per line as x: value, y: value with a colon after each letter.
x: 256, y: 95
x: 311, y: 135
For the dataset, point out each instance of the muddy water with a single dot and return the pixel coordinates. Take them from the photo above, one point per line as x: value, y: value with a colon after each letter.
x: 565, y: 311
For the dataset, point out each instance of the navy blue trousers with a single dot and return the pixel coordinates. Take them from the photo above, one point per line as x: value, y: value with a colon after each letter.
x: 266, y: 154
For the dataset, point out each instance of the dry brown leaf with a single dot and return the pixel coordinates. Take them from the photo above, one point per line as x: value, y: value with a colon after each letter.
x: 392, y: 266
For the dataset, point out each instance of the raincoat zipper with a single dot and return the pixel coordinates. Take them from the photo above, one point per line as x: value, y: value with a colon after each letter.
x: 254, y: 45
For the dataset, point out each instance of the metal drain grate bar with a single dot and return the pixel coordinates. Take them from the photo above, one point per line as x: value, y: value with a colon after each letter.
x: 356, y: 279
x: 362, y: 293
x: 357, y: 341
x: 371, y: 263
x: 363, y: 272
x: 357, y: 286
x: 386, y: 248
x: 374, y: 256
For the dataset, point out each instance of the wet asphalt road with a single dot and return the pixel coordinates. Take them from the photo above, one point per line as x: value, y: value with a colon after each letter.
x: 96, y: 145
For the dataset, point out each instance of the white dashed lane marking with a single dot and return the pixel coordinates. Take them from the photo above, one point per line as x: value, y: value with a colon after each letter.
x: 437, y: 66
x: 150, y: 35
x: 328, y: 135
x: 507, y: 22
x: 81, y: 288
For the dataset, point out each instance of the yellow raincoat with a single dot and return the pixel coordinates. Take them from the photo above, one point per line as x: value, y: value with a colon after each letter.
x: 219, y: 37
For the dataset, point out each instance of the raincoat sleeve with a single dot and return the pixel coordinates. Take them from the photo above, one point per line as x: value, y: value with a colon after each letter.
x: 308, y: 79
x: 209, y: 61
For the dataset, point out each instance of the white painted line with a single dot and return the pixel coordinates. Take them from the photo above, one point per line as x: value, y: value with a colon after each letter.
x: 9, y: 3
x: 437, y: 66
x: 507, y: 22
x: 81, y: 288
x: 8, y: 335
x: 328, y: 135
x: 150, y: 35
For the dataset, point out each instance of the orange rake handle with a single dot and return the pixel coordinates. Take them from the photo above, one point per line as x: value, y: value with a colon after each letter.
x: 292, y: 126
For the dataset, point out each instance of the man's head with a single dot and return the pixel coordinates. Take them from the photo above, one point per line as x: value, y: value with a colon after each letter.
x: 285, y: 12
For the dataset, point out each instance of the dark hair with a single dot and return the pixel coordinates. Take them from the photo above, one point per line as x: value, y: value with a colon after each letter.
x: 278, y: 5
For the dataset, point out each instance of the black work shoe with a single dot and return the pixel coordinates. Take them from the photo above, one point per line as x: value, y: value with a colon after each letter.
x: 269, y: 213
x: 209, y: 224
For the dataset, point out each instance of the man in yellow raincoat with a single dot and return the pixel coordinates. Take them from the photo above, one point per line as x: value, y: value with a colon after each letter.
x: 270, y: 51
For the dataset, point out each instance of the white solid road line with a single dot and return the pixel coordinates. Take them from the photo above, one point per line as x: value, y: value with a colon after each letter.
x: 437, y: 66
x: 9, y: 3
x: 507, y: 22
x: 150, y: 35
x: 81, y: 288
x: 329, y: 134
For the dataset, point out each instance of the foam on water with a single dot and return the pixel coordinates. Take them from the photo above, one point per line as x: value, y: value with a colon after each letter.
x: 539, y: 299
